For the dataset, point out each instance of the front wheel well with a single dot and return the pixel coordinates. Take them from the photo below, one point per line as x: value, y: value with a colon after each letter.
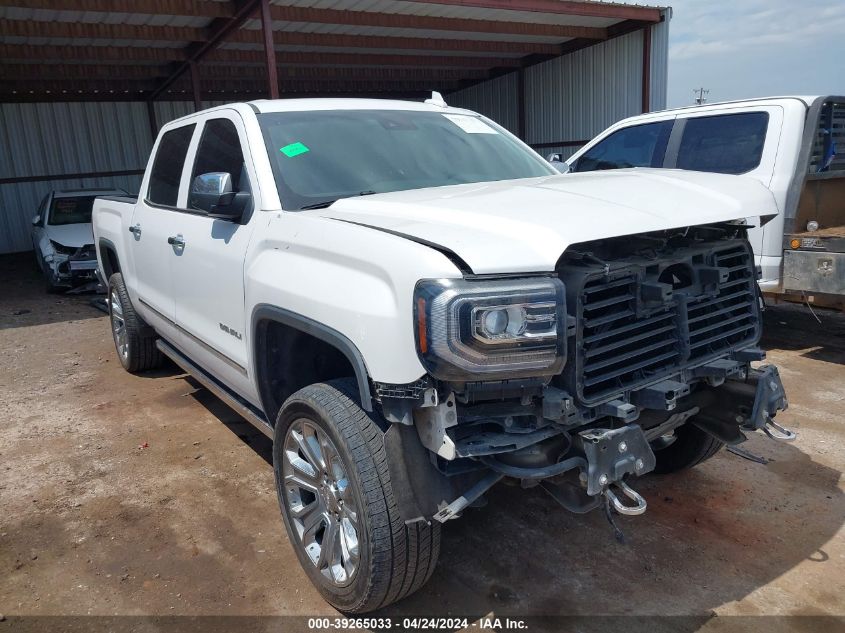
x: 290, y: 356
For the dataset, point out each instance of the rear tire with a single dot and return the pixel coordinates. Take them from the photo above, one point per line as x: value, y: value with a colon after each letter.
x: 691, y: 447
x: 379, y: 559
x: 134, y: 340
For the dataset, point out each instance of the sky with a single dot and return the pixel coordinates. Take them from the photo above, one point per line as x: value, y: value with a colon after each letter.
x: 755, y: 48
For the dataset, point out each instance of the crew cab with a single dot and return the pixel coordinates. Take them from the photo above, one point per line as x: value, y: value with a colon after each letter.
x: 413, y: 305
x: 787, y: 143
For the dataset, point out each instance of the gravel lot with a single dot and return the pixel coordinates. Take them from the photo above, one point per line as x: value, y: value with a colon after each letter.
x: 144, y: 495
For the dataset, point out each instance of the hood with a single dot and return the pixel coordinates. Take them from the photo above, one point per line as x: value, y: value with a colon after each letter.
x: 525, y: 225
x: 70, y: 235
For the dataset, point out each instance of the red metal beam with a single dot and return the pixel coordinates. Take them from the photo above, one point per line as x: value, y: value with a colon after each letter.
x: 127, y: 55
x: 404, y: 21
x: 195, y: 8
x: 231, y: 82
x: 338, y: 40
x: 219, y: 30
x: 269, y: 50
x: 259, y: 93
x: 210, y: 72
x: 79, y: 71
x: 560, y: 7
x: 90, y: 30
x: 68, y: 57
x: 87, y: 30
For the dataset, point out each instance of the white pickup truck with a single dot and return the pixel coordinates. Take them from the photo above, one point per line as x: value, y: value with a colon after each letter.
x: 413, y: 305
x: 793, y: 145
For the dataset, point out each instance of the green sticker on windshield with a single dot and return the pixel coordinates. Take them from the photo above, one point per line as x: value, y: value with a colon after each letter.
x: 294, y: 149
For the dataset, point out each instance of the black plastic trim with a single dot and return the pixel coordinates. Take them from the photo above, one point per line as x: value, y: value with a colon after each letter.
x: 314, y: 328
x: 110, y: 245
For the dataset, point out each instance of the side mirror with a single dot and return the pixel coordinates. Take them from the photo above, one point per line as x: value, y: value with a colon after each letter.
x: 214, y: 193
x: 36, y: 220
x: 557, y: 162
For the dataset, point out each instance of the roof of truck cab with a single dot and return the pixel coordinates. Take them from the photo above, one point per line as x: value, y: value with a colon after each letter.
x: 263, y: 106
x: 659, y: 115
x: 807, y: 99
x: 299, y: 105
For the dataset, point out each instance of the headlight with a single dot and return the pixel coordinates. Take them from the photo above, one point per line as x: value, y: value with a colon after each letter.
x: 472, y: 330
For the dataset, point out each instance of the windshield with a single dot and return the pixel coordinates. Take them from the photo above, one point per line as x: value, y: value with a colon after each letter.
x: 321, y: 156
x: 75, y: 210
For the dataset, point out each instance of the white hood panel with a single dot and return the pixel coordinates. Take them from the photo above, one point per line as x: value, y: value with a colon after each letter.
x: 70, y: 235
x: 525, y: 225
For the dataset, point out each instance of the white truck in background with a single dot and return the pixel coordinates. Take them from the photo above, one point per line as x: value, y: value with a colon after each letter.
x: 793, y: 145
x: 413, y: 305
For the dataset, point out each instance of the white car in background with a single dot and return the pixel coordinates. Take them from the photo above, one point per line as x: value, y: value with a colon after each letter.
x: 63, y: 238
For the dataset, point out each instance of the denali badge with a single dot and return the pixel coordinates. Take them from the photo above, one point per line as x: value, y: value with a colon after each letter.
x: 229, y: 330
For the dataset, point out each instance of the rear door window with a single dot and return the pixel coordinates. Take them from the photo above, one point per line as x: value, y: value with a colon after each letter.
x: 723, y: 144
x: 635, y: 146
x: 167, y: 166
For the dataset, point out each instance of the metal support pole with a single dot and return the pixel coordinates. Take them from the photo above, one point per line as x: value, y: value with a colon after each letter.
x: 269, y: 50
x: 646, y: 105
x: 151, y: 115
x: 520, y: 104
x: 195, y: 85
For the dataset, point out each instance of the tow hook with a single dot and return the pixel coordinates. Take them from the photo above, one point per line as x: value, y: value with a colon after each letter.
x: 777, y: 432
x: 629, y: 492
x: 769, y: 398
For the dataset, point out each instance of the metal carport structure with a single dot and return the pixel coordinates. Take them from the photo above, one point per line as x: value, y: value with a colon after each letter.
x: 84, y: 84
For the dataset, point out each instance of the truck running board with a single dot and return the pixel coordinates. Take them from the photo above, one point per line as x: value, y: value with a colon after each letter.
x: 244, y: 409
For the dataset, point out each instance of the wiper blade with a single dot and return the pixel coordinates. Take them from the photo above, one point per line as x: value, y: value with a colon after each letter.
x: 318, y: 205
x: 327, y: 203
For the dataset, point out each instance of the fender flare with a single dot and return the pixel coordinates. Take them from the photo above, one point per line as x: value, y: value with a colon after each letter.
x: 266, y: 312
x: 107, y: 244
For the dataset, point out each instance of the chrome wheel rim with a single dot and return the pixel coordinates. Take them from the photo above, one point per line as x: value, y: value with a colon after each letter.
x: 320, y: 502
x: 118, y: 325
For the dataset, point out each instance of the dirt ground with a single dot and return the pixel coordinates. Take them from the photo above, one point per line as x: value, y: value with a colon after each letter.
x: 138, y: 495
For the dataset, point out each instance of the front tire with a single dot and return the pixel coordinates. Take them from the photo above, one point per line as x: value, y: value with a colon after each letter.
x: 338, y: 505
x: 691, y: 447
x: 134, y: 340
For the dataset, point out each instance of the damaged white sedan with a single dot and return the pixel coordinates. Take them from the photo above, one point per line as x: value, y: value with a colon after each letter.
x: 63, y: 238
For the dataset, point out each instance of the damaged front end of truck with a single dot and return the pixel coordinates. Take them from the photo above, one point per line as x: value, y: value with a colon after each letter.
x: 633, y: 346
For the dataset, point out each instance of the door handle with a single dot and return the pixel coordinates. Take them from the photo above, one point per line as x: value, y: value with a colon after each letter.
x: 176, y: 240
x: 135, y: 230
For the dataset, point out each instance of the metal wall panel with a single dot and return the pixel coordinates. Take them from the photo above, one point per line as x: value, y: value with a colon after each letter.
x: 576, y: 96
x: 52, y: 139
x: 660, y: 62
x: 39, y: 139
x: 495, y: 99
